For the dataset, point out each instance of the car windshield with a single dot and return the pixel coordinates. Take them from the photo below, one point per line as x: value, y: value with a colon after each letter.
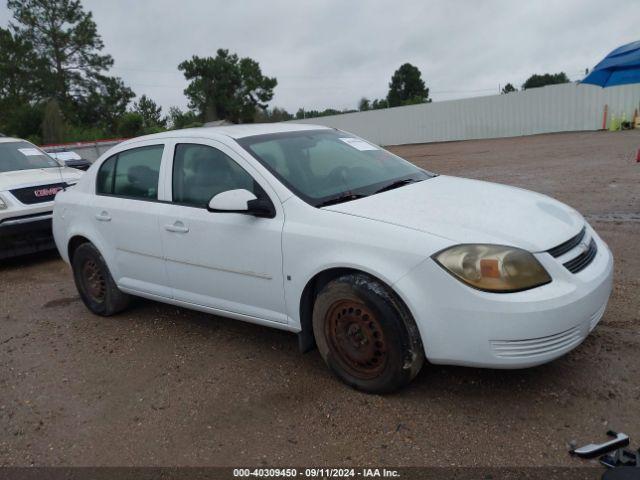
x: 23, y: 156
x: 330, y: 166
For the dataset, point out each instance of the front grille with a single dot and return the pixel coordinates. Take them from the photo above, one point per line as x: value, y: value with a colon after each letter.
x: 39, y: 194
x: 533, y: 347
x: 584, y: 259
x: 568, y: 245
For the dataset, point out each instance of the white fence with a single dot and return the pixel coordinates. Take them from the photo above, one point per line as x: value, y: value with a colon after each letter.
x: 88, y: 150
x: 554, y: 108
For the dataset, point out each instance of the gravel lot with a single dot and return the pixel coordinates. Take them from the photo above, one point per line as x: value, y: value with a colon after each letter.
x: 159, y: 385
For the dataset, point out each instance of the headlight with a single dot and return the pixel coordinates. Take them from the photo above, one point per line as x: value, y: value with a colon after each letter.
x: 3, y: 204
x: 493, y: 268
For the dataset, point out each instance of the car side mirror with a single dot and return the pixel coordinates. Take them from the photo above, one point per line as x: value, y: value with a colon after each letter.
x: 231, y: 201
x: 241, y: 201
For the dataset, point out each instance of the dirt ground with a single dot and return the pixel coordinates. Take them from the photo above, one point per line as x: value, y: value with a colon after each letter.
x: 159, y: 385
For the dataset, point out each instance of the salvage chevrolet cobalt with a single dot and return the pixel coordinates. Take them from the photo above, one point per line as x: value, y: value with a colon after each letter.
x: 313, y: 230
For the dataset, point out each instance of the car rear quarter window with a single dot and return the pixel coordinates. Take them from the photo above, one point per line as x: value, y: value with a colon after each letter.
x: 104, y: 183
x: 133, y: 173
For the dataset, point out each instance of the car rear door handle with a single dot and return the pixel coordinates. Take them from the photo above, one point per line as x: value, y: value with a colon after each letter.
x: 103, y: 216
x: 177, y: 227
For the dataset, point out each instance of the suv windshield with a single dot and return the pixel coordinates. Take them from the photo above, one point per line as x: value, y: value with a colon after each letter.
x: 23, y: 156
x: 329, y: 166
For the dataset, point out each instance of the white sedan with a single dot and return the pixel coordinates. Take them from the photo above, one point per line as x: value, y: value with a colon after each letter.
x: 313, y: 230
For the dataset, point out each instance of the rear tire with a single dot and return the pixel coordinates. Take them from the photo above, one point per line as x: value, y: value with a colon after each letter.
x: 366, y: 335
x: 95, y: 284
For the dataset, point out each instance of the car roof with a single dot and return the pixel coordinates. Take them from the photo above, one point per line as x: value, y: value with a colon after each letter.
x: 231, y: 131
x: 10, y: 140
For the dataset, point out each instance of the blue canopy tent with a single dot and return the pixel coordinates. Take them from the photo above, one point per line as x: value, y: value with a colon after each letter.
x: 620, y: 67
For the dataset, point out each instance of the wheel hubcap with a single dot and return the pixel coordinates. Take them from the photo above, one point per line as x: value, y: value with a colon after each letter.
x: 355, y: 335
x: 93, y: 280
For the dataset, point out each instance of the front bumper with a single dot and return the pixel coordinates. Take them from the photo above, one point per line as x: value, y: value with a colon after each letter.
x: 463, y: 326
x: 22, y: 235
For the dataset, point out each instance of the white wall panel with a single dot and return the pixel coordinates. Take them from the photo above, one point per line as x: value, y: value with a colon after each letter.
x: 554, y: 108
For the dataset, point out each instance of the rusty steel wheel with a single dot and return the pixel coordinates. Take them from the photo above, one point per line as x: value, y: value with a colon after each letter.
x: 365, y: 334
x: 356, y: 336
x: 93, y: 281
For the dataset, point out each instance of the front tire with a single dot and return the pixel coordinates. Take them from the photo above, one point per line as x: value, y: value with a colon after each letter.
x: 366, y: 335
x: 95, y: 284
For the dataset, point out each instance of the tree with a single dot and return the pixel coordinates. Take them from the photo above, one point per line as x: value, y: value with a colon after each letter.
x: 364, y: 104
x: 302, y: 113
x: 178, y: 119
x: 24, y: 120
x: 52, y: 123
x: 508, y: 88
x: 272, y: 115
x: 535, y: 80
x: 18, y: 62
x: 226, y: 87
x: 407, y: 87
x: 131, y: 124
x: 66, y: 38
x: 105, y: 104
x: 378, y: 104
x: 150, y: 111
x: 57, y: 44
x: 20, y: 90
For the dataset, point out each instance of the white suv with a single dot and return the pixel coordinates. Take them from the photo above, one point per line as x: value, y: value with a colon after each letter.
x: 29, y: 181
x: 315, y: 231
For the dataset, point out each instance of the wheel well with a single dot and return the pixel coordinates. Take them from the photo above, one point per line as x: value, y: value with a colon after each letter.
x: 306, y: 340
x: 74, y: 243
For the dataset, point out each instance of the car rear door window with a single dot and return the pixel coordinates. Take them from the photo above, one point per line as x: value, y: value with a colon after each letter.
x: 133, y: 173
x: 201, y: 172
x: 137, y: 173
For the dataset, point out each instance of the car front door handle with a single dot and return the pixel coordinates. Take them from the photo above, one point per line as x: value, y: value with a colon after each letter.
x: 103, y: 216
x: 177, y: 227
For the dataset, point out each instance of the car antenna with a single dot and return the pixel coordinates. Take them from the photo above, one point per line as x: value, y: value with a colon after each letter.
x: 62, y: 182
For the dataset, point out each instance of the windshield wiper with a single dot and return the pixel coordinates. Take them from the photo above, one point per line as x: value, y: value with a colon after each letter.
x: 397, y: 184
x: 346, y: 197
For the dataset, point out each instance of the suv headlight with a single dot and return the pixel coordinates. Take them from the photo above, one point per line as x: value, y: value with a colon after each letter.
x: 3, y: 204
x: 493, y: 268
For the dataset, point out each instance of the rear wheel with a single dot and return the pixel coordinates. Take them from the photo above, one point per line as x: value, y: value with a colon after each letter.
x: 366, y: 334
x: 95, y: 284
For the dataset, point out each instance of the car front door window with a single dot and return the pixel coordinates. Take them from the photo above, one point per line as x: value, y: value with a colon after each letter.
x: 201, y: 172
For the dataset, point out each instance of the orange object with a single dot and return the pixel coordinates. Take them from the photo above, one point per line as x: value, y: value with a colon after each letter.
x: 489, y: 267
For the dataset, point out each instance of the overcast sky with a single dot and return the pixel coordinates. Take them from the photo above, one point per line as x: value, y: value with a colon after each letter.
x: 330, y: 53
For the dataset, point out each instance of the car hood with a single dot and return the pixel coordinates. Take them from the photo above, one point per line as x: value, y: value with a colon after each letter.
x: 472, y: 211
x: 38, y: 176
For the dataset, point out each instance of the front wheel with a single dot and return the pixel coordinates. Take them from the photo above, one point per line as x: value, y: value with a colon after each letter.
x: 366, y: 335
x: 95, y: 284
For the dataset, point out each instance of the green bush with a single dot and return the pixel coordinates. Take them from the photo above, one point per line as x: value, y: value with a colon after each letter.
x: 131, y: 124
